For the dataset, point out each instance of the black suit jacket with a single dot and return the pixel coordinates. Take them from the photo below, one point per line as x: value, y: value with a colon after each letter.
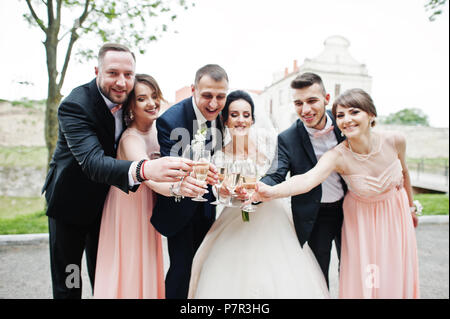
x: 296, y: 155
x: 176, y: 128
x: 83, y: 165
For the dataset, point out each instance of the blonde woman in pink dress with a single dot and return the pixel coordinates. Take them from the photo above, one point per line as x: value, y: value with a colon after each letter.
x: 130, y: 257
x: 379, y: 251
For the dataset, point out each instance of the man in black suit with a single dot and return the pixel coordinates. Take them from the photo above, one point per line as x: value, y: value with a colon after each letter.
x: 185, y: 223
x: 83, y: 167
x: 317, y: 215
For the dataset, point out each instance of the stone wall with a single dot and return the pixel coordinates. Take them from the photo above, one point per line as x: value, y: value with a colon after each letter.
x: 421, y: 141
x: 21, y: 181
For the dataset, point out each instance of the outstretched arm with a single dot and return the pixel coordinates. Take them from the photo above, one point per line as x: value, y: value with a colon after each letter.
x: 280, y: 165
x: 300, y: 184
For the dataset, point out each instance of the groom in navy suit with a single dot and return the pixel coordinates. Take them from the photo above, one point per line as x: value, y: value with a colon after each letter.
x: 185, y: 222
x: 317, y: 215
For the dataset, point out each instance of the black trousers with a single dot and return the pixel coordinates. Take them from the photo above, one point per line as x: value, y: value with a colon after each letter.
x: 67, y: 244
x: 182, y: 248
x: 326, y: 229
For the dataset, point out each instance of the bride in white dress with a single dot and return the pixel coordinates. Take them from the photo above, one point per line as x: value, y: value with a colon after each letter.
x: 261, y: 258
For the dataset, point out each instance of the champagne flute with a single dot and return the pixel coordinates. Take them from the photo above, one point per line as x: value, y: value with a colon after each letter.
x: 201, y: 159
x: 233, y: 177
x: 186, y: 154
x: 219, y: 161
x: 249, y: 178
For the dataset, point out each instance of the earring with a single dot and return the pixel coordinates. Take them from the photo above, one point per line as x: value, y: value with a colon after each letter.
x: 131, y: 115
x: 342, y: 134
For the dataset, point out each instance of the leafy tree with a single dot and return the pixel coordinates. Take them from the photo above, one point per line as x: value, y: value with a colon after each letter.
x: 435, y: 6
x: 64, y: 22
x: 407, y: 117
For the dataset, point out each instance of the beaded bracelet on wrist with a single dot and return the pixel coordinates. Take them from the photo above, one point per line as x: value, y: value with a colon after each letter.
x: 138, y: 171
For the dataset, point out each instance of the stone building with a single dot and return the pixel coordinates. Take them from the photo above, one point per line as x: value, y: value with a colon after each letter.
x: 337, y: 68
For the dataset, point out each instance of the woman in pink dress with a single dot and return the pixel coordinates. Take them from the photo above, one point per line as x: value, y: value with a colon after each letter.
x: 379, y: 252
x: 130, y: 257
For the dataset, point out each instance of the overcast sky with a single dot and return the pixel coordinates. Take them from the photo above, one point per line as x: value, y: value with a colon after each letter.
x: 406, y: 55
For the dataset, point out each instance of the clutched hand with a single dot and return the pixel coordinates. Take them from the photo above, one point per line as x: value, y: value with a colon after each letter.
x: 415, y: 219
x: 192, y: 187
x: 167, y: 169
x: 213, y: 176
x: 224, y: 191
x: 241, y: 193
x: 263, y: 193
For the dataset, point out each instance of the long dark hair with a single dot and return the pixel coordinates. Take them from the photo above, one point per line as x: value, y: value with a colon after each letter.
x: 234, y: 96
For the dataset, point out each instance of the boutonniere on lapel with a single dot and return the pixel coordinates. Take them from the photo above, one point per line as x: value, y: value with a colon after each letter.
x: 199, y: 139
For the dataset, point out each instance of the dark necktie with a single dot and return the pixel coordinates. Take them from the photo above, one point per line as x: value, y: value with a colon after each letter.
x: 208, y: 143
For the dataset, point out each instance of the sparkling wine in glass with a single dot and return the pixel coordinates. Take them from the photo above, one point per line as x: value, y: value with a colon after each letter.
x: 201, y: 168
x: 249, y: 178
x: 219, y: 161
x: 232, y: 177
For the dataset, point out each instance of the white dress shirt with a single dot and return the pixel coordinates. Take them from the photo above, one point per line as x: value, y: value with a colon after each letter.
x: 332, y: 187
x: 202, y: 122
x: 118, y: 120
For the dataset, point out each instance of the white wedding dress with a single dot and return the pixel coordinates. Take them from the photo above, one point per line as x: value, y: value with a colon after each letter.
x: 260, y: 259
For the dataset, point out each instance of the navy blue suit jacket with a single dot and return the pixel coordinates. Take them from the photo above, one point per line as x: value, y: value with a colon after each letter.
x: 296, y: 155
x: 176, y: 128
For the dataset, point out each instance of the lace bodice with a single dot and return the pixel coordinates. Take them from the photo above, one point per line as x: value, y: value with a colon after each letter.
x: 376, y: 174
x: 365, y: 185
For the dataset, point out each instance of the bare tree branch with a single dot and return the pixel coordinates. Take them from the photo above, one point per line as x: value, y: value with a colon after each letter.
x: 36, y: 18
x: 85, y: 12
x: 50, y: 14
x: 58, y: 10
x: 74, y: 37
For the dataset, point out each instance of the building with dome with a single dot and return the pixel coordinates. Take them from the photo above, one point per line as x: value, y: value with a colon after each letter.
x: 335, y: 65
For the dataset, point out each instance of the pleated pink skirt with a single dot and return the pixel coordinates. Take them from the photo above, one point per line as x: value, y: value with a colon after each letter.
x: 130, y: 257
x: 379, y: 250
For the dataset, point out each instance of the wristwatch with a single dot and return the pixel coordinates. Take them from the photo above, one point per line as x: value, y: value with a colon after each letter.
x: 175, y: 192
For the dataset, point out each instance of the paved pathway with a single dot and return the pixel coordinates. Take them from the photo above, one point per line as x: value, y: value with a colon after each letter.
x: 25, y: 272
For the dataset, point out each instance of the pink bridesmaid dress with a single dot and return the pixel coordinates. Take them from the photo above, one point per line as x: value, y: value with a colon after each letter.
x: 130, y: 257
x: 379, y: 252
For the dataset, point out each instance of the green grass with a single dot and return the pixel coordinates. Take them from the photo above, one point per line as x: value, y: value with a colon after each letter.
x: 433, y: 204
x: 23, y: 156
x: 11, y: 207
x: 22, y: 215
x: 30, y: 104
x: 35, y: 223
